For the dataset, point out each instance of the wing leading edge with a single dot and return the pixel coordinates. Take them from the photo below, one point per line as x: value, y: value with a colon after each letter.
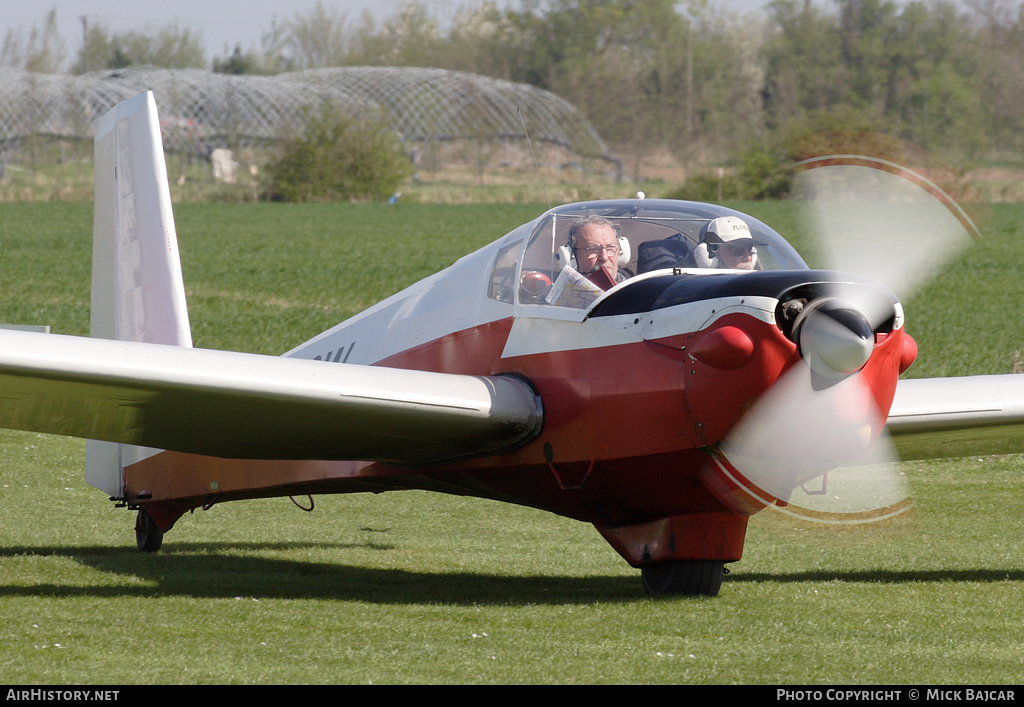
x: 249, y: 406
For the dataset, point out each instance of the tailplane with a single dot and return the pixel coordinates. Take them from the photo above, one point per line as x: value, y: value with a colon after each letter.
x: 137, y: 289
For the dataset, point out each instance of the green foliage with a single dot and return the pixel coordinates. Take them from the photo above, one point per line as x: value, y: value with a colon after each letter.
x: 765, y: 174
x: 762, y: 173
x: 44, y: 51
x: 337, y: 156
x: 708, y: 185
x: 236, y: 64
x: 919, y: 72
x: 170, y: 46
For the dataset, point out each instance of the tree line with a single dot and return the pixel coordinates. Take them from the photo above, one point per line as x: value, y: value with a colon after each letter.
x: 706, y: 85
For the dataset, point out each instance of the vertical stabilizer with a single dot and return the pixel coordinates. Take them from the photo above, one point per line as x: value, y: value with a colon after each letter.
x: 137, y: 289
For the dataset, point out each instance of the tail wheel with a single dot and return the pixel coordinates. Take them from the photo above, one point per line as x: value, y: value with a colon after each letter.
x: 148, y: 535
x: 687, y: 577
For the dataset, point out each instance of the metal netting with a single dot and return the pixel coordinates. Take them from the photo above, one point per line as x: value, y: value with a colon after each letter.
x: 203, y: 110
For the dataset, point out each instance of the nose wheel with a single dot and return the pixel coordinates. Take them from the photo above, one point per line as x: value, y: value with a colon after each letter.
x: 686, y: 577
x: 148, y: 535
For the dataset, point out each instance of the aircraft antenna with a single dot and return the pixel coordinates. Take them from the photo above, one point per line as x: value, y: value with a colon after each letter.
x: 536, y: 165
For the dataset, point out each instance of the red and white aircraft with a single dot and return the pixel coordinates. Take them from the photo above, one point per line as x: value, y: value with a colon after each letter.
x: 611, y: 371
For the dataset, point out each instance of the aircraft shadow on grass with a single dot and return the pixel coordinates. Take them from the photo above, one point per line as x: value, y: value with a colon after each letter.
x: 212, y: 570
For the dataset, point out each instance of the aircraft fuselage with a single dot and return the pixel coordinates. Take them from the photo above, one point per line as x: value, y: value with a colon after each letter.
x: 636, y: 395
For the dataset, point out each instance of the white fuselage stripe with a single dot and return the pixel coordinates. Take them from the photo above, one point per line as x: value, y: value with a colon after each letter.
x: 535, y: 335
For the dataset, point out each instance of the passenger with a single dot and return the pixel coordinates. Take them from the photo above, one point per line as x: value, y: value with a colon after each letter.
x: 726, y: 242
x: 596, y: 248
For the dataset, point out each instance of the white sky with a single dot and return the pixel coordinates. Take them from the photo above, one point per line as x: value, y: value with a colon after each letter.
x: 223, y: 23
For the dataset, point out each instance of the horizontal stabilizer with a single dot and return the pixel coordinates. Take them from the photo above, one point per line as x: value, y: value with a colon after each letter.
x: 249, y: 406
x: 950, y: 417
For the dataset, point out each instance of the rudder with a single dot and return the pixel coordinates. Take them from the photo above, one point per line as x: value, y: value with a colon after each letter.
x: 137, y: 289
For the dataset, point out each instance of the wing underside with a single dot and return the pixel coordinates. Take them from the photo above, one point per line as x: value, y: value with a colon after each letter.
x: 248, y: 406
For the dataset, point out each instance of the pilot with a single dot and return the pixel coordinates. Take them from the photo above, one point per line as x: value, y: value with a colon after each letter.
x: 596, y: 247
x: 726, y: 242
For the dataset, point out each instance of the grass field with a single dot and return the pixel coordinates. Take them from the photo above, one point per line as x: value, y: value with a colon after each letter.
x: 411, y: 587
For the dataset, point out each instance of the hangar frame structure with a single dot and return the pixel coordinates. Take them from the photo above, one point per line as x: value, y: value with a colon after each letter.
x: 202, y: 110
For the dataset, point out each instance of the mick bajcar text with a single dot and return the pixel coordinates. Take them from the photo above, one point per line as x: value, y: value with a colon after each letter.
x: 964, y: 694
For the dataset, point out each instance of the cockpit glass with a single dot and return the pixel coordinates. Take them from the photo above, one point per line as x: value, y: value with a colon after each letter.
x: 577, y: 252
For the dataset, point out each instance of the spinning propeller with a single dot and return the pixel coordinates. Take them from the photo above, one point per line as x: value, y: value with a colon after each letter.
x: 814, y: 446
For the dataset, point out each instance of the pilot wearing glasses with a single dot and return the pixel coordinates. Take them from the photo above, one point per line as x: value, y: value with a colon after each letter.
x: 597, y: 250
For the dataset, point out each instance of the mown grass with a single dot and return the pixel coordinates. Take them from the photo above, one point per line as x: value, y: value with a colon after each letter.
x: 411, y: 587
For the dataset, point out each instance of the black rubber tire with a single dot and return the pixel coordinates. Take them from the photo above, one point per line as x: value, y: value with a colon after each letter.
x: 685, y: 577
x: 148, y: 535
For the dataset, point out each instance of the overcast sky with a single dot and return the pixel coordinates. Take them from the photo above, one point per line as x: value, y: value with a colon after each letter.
x: 223, y: 23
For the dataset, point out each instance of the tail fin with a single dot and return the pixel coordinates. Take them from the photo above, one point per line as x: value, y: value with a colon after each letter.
x: 137, y: 289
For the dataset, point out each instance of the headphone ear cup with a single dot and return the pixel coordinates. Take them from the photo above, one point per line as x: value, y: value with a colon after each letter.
x: 704, y: 257
x: 565, y: 256
x: 625, y: 252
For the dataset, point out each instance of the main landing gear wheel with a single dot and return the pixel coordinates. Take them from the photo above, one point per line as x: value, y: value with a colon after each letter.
x: 148, y: 535
x: 688, y: 577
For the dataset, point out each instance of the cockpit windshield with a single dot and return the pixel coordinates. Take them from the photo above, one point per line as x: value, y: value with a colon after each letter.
x: 578, y: 251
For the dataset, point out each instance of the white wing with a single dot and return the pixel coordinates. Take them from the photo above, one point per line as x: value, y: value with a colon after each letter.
x: 249, y: 406
x: 952, y: 417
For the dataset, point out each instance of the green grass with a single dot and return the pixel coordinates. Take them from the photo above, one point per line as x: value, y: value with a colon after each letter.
x: 411, y: 587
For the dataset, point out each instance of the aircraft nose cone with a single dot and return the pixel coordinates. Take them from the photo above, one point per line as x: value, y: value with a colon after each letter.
x: 835, y: 339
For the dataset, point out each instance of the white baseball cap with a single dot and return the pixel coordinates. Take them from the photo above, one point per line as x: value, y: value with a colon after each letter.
x: 727, y: 229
